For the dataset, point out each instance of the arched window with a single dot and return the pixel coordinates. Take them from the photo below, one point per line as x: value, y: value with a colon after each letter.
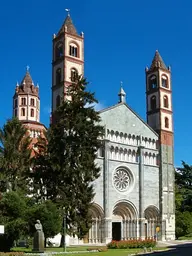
x: 152, y: 82
x: 153, y: 102
x: 23, y: 101
x: 59, y: 51
x: 58, y: 101
x: 165, y: 102
x: 32, y: 112
x: 73, y: 50
x: 164, y: 81
x: 166, y: 122
x: 58, y: 76
x: 22, y: 112
x: 74, y: 75
x: 32, y: 102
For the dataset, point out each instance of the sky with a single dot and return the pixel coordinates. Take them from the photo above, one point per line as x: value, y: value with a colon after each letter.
x: 120, y: 41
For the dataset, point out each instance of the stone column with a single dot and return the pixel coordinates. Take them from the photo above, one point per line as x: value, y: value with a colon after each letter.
x: 130, y: 229
x: 96, y: 230
x: 107, y: 217
x: 141, y: 192
x: 127, y: 229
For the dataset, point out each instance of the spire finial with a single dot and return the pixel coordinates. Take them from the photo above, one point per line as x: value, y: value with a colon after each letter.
x: 27, y: 68
x: 68, y: 12
x: 122, y: 94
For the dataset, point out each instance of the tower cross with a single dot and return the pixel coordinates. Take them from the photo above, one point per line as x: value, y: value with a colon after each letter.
x: 27, y: 68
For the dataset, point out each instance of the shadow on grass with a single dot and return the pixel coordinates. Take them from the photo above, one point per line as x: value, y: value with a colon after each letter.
x: 175, y: 250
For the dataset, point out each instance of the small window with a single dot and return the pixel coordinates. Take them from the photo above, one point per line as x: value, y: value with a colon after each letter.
x: 22, y: 112
x: 152, y: 82
x: 32, y: 102
x: 23, y: 101
x: 32, y: 112
x: 165, y: 102
x: 58, y: 76
x: 58, y: 101
x: 153, y: 102
x: 74, y: 75
x: 73, y: 50
x: 164, y: 81
x: 59, y: 51
x: 16, y: 103
x: 166, y: 122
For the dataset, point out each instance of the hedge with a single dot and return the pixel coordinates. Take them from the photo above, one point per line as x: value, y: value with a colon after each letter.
x: 129, y: 244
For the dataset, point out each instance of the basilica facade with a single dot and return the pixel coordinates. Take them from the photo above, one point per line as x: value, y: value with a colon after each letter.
x: 135, y: 191
x: 134, y: 195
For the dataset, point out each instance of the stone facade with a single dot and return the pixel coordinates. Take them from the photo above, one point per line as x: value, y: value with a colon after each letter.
x: 134, y: 193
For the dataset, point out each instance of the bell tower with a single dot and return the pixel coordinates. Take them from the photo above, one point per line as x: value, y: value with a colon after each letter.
x: 26, y: 107
x: 68, y: 60
x: 160, y: 118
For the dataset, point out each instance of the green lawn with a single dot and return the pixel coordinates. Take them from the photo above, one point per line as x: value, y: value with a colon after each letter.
x: 118, y: 252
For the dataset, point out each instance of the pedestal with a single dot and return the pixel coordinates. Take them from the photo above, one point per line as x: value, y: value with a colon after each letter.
x: 38, y: 241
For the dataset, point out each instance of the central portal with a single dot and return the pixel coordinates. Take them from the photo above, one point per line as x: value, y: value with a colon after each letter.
x: 116, y: 231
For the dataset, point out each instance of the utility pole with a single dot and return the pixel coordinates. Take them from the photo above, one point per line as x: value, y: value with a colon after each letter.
x: 64, y: 229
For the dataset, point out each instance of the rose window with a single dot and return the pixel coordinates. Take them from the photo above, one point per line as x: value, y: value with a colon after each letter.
x: 122, y: 179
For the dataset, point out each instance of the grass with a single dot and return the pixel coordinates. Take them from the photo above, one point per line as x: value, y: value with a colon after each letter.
x: 111, y: 252
x: 185, y: 238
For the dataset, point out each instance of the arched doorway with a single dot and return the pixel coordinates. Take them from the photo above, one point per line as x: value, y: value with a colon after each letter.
x: 152, y: 221
x: 124, y: 221
x: 95, y: 234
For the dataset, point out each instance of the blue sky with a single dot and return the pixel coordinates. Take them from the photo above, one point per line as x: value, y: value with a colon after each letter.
x: 120, y: 40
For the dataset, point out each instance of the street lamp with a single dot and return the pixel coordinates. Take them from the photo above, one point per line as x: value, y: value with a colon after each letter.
x: 64, y: 229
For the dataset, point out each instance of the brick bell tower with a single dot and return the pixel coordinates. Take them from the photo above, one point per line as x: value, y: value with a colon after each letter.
x: 26, y: 107
x: 68, y: 60
x: 160, y: 118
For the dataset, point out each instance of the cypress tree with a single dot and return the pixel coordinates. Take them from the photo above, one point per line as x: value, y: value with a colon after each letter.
x: 67, y: 166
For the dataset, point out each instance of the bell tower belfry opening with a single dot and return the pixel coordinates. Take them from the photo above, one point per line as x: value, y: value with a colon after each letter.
x: 67, y: 59
x: 160, y: 118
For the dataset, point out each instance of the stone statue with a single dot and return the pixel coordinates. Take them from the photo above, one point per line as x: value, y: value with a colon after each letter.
x: 38, y: 226
x: 39, y: 239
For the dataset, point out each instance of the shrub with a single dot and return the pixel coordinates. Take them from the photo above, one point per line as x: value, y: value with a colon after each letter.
x: 11, y: 253
x: 129, y: 244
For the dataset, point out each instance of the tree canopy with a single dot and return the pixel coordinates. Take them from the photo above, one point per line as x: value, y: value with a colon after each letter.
x: 15, y: 155
x: 183, y: 200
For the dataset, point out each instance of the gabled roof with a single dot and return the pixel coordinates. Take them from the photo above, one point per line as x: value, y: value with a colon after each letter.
x: 157, y: 62
x: 122, y: 103
x: 68, y: 23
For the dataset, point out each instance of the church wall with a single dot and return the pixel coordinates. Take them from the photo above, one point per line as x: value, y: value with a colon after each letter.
x: 133, y: 194
x: 151, y: 186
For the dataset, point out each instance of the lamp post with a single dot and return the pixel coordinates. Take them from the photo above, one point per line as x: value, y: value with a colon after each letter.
x: 64, y: 229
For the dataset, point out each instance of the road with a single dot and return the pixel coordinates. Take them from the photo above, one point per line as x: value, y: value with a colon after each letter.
x: 183, y: 250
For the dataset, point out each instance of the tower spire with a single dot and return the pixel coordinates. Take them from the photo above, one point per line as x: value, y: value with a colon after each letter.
x: 157, y: 62
x: 122, y: 94
x: 68, y: 25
